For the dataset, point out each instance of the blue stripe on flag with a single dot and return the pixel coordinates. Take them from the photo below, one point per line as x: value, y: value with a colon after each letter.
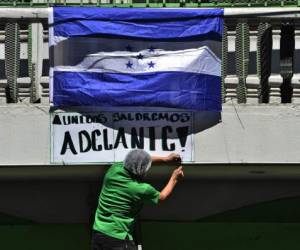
x: 139, y: 23
x: 160, y: 89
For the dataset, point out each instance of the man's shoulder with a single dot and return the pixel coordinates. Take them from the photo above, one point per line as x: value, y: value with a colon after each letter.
x: 117, y: 166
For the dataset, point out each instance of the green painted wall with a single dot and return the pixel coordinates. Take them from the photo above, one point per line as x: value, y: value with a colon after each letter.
x: 44, y: 237
x: 220, y: 236
x: 272, y: 225
x: 160, y: 236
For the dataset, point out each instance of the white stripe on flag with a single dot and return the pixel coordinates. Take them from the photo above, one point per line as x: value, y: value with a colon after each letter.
x: 201, y: 60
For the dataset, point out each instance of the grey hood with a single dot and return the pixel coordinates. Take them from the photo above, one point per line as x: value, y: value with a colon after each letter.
x: 138, y: 162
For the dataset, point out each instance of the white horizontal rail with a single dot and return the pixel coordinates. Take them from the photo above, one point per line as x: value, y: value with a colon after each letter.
x: 42, y: 13
x: 24, y: 13
x: 263, y: 11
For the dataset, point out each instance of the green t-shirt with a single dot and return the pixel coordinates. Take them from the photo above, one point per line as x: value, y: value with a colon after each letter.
x: 120, y: 200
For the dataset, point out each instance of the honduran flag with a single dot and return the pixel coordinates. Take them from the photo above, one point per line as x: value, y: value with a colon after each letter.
x: 136, y: 57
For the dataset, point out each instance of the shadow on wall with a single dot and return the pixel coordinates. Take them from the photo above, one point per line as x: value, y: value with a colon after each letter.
x: 205, y: 120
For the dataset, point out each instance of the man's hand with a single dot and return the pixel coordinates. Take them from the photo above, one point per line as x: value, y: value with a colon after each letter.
x: 173, y: 158
x: 177, y: 174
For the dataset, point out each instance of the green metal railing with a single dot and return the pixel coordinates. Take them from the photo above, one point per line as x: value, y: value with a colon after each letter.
x: 152, y: 3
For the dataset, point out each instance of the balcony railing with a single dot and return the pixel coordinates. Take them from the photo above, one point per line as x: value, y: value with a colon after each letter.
x: 260, y: 55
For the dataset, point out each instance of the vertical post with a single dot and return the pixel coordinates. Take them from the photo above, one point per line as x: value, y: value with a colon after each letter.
x: 252, y: 79
x: 12, y: 60
x: 264, y: 52
x: 35, y: 60
x: 231, y: 79
x: 275, y: 79
x: 242, y: 59
x: 287, y: 45
x: 224, y: 62
x: 296, y: 66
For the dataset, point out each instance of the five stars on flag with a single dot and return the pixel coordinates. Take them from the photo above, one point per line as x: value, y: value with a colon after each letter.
x: 140, y: 56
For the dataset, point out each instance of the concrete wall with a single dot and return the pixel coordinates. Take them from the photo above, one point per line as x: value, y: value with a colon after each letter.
x: 24, y: 134
x: 246, y: 134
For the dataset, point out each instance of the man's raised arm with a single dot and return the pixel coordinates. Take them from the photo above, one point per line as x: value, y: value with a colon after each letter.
x: 168, y: 189
x: 171, y: 158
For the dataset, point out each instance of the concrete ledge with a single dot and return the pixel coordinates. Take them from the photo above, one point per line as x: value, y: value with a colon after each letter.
x: 193, y: 172
x: 246, y: 133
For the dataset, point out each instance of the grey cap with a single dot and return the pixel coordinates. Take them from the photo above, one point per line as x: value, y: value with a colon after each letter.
x: 138, y: 162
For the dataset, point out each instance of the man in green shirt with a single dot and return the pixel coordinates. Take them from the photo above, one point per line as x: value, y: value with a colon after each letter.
x: 122, y: 197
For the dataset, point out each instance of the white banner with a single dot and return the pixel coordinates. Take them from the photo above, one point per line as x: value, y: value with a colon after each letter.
x: 91, y: 137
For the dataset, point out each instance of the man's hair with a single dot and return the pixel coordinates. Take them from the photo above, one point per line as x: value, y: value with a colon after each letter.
x: 138, y: 162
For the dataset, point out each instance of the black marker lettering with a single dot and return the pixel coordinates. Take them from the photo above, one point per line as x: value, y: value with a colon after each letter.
x: 95, y: 134
x: 115, y: 117
x: 154, y: 116
x: 138, y: 116
x: 81, y: 119
x: 137, y: 141
x: 121, y: 138
x: 89, y: 119
x: 74, y: 119
x: 68, y: 144
x: 185, y: 117
x: 152, y: 138
x: 66, y: 120
x: 146, y: 117
x: 163, y: 116
x: 86, y: 135
x: 164, y: 139
x: 105, y: 140
x: 130, y: 117
x: 174, y: 117
x: 182, y: 134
